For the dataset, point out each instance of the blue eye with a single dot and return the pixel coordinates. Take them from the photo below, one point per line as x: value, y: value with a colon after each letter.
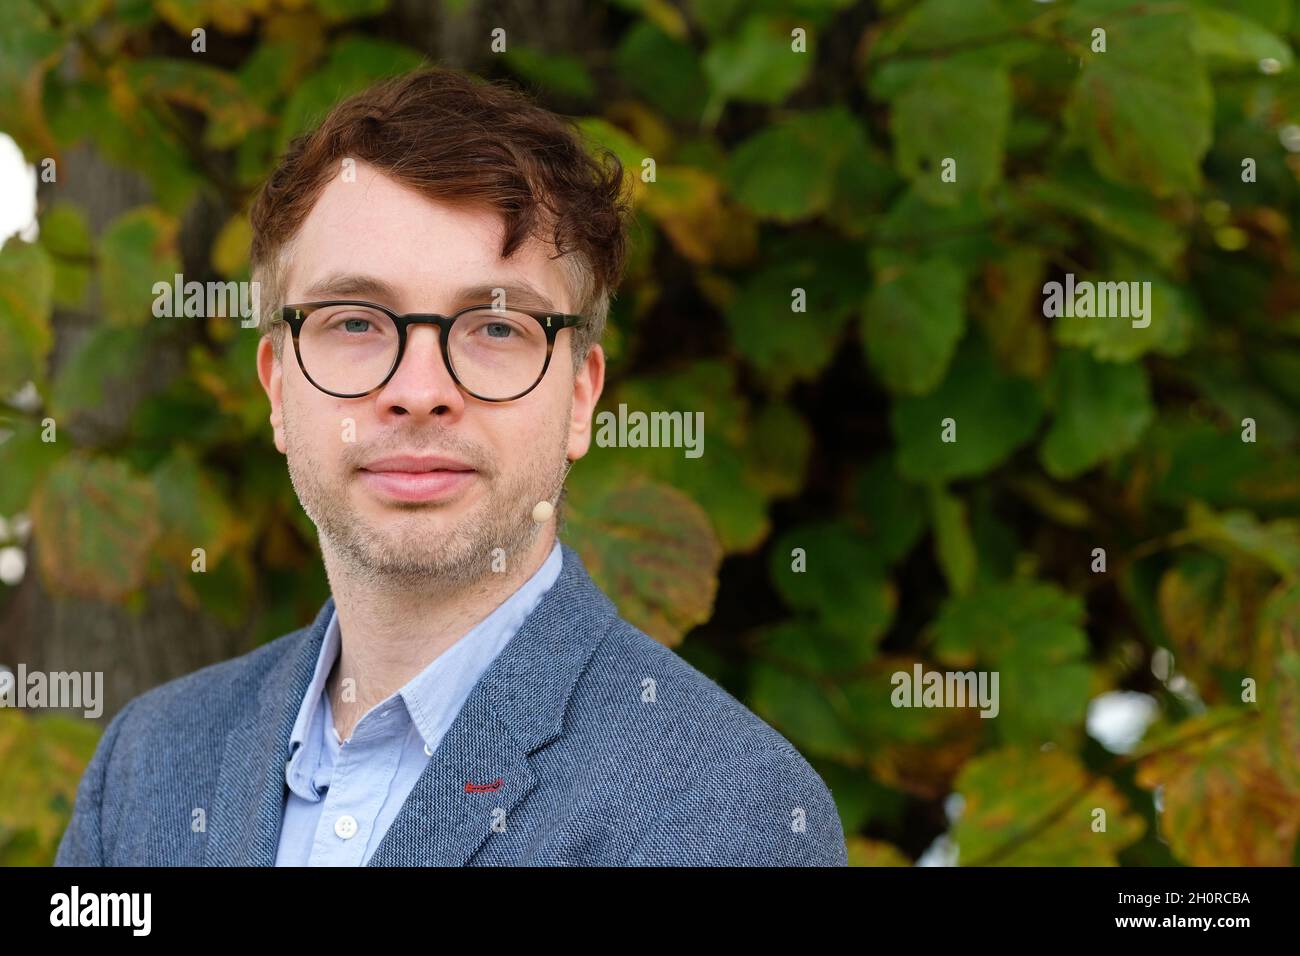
x: 348, y: 324
x: 505, y: 330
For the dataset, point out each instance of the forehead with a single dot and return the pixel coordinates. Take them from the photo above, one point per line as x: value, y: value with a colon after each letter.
x: 426, y: 250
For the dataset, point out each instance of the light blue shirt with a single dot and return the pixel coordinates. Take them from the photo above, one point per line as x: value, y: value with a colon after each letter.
x: 344, y: 795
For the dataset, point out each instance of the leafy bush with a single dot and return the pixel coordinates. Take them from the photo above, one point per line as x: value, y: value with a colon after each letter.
x: 841, y: 260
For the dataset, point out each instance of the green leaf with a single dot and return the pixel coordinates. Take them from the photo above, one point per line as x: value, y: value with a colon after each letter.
x: 232, y: 114
x: 788, y: 171
x: 1275, y: 544
x: 1010, y: 797
x: 24, y: 461
x: 229, y: 586
x: 26, y: 290
x: 722, y: 479
x: 338, y: 10
x: 1171, y: 315
x: 137, y: 250
x: 1009, y: 310
x: 913, y: 230
x: 95, y: 523
x: 954, y: 111
x: 994, y: 414
x: 892, y: 511
x: 843, y: 583
x: 28, y: 47
x: 229, y: 375
x: 106, y: 360
x: 1127, y: 214
x: 814, y: 688
x: 84, y: 109
x: 1278, y: 651
x: 911, y: 324
x: 355, y: 62
x: 663, y: 70
x: 786, y: 346
x: 714, y: 16
x: 1196, y: 460
x: 755, y: 64
x: 953, y: 544
x: 1279, y: 369
x: 1273, y: 15
x: 806, y: 712
x: 864, y: 852
x: 984, y: 26
x: 648, y: 546
x: 1031, y: 633
x: 1227, y: 384
x: 1225, y: 37
x: 195, y: 512
x: 44, y: 758
x: 274, y: 66
x: 1102, y: 409
x: 65, y: 234
x: 782, y: 443
x: 813, y: 648
x: 555, y: 72
x: 863, y: 188
x: 602, y: 134
x: 1142, y: 109
x: 183, y: 15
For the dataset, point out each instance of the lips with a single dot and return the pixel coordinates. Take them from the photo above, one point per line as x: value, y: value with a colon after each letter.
x: 417, y: 477
x: 414, y: 464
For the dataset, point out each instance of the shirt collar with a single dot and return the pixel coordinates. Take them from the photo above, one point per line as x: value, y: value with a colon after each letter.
x: 432, y: 697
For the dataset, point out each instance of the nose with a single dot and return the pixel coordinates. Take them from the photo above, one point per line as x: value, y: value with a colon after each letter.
x: 422, y: 384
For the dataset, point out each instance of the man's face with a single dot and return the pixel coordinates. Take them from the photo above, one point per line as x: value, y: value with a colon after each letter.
x: 376, y: 240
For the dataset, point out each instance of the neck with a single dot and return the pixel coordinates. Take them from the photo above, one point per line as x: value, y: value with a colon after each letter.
x: 390, y: 635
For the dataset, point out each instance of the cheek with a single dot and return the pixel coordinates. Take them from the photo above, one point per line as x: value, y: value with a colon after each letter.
x: 316, y: 426
x: 557, y: 386
x: 551, y: 410
x: 337, y: 431
x: 519, y: 440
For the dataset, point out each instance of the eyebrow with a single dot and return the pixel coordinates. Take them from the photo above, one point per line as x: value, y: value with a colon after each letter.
x: 519, y: 294
x: 346, y: 285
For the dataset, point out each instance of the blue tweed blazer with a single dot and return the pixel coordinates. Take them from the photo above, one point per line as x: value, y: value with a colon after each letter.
x: 565, y: 753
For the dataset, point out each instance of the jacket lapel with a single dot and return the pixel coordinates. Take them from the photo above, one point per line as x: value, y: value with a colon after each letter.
x: 244, y: 821
x: 516, y: 707
x: 444, y: 820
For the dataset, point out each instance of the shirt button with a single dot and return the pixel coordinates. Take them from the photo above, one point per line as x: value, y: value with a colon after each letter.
x: 427, y: 751
x: 345, y: 827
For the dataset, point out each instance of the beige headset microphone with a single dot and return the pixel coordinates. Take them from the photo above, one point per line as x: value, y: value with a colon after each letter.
x: 543, y: 510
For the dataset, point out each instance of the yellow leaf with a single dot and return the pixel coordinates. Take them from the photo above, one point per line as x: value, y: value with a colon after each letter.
x: 1225, y: 803
x: 230, y: 247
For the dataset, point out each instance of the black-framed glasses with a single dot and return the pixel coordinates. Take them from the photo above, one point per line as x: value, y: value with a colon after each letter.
x: 350, y: 348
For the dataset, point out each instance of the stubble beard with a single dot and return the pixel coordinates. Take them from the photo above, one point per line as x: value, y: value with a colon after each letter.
x: 418, y: 546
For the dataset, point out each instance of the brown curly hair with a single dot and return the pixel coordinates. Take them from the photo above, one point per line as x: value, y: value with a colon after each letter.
x: 456, y: 138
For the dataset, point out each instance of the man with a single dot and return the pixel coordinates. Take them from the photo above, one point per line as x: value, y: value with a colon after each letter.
x: 467, y: 695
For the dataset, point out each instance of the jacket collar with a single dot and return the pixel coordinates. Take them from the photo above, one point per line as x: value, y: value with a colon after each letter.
x: 516, y: 707
x: 431, y: 698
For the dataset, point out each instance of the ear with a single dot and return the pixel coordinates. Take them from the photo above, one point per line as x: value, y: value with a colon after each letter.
x: 588, y: 382
x: 269, y: 373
